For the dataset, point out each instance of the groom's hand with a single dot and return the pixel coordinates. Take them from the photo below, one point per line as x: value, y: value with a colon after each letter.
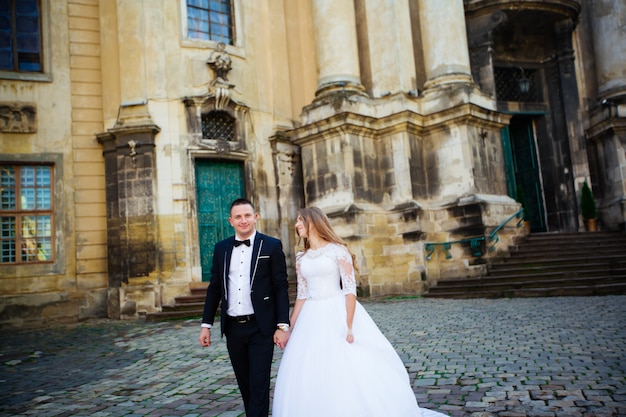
x: 205, y: 337
x: 280, y: 338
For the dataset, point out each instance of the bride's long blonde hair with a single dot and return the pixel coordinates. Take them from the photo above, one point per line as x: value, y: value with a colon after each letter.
x: 316, y: 218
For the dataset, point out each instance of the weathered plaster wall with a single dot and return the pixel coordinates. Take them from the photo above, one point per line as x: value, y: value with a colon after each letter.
x: 68, y: 112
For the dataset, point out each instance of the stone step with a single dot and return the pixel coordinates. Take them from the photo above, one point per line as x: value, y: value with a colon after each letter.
x: 579, y: 291
x: 190, y: 299
x: 185, y: 306
x: 546, y: 280
x: 532, y: 269
x: 556, y: 259
x: 549, y: 264
x: 571, y: 251
x: 173, y: 315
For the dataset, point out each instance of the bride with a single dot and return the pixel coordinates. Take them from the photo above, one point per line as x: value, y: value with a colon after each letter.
x: 336, y: 363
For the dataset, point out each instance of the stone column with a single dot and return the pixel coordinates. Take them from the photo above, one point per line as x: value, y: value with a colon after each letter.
x: 336, y: 46
x: 391, y: 56
x: 444, y: 40
x: 609, y: 44
x: 606, y: 133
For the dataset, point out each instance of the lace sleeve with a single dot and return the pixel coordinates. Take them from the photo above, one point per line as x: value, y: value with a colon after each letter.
x: 303, y: 289
x: 346, y: 270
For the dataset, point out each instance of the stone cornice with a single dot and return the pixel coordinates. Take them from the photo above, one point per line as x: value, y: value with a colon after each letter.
x: 404, y: 121
x: 469, y: 114
x: 566, y: 8
x: 133, y: 129
x: 609, y: 126
x: 355, y: 124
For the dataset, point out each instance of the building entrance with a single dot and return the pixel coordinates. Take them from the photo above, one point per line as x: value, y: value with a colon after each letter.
x: 218, y: 183
x: 523, y: 171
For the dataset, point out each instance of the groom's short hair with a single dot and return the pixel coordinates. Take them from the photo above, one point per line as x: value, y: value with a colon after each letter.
x: 241, y: 202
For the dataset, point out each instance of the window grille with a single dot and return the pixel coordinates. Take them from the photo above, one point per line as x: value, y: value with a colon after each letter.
x: 508, y: 86
x: 218, y: 125
x: 26, y: 214
x: 20, y: 36
x: 210, y: 20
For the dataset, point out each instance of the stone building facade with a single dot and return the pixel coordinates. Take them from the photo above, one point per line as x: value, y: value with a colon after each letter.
x: 127, y: 127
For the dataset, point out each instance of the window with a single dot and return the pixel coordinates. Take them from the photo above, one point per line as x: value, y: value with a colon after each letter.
x: 508, y: 86
x: 26, y: 214
x: 210, y: 20
x: 20, y: 36
x: 218, y: 125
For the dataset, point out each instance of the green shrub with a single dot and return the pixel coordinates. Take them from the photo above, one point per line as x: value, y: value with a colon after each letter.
x: 587, y: 203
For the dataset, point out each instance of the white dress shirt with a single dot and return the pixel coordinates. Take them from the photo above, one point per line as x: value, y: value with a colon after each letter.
x: 239, y: 300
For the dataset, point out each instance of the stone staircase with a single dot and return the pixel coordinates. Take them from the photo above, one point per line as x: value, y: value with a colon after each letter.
x: 549, y: 264
x: 185, y: 307
x: 192, y: 306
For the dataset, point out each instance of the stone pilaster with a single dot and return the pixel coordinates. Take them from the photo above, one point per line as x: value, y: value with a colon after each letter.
x: 480, y: 31
x: 130, y: 170
x: 573, y: 130
x: 290, y: 195
x: 569, y: 141
x: 133, y: 63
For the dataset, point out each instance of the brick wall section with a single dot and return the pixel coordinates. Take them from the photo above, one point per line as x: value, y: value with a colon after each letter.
x: 87, y: 120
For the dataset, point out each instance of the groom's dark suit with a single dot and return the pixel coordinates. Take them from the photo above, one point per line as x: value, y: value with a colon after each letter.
x: 250, y: 339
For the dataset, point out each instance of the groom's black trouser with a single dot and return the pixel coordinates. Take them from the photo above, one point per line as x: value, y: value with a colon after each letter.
x: 251, y: 355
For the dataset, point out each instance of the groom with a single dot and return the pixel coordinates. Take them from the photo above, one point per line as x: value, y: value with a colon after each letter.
x: 249, y: 278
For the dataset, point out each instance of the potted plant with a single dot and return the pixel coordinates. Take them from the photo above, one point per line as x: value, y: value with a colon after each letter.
x: 521, y: 198
x: 588, y: 208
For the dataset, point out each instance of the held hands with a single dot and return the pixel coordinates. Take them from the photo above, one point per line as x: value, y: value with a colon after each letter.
x: 205, y: 337
x: 280, y: 338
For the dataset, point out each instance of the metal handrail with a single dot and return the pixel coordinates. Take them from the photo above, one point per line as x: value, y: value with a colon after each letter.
x: 473, y: 241
x: 493, y: 236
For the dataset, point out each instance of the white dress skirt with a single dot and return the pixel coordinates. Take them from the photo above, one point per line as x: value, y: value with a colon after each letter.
x: 320, y: 373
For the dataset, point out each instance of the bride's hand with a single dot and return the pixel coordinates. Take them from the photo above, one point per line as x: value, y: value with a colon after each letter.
x: 350, y: 336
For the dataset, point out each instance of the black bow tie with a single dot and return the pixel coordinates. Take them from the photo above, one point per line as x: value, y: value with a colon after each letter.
x: 239, y: 242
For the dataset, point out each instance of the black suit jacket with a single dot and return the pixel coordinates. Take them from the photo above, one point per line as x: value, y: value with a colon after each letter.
x: 268, y: 277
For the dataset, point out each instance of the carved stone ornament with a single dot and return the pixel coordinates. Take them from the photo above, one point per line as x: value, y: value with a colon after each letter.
x: 219, y: 146
x: 18, y: 117
x: 221, y: 63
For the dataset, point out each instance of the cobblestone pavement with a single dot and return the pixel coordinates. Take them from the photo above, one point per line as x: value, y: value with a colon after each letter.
x: 540, y: 357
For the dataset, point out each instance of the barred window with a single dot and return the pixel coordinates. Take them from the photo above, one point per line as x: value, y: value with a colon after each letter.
x: 218, y: 125
x: 26, y: 214
x: 508, y: 84
x: 20, y: 36
x: 210, y: 20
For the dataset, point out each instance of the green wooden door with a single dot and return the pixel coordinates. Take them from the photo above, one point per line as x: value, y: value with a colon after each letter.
x: 218, y: 183
x: 522, y: 169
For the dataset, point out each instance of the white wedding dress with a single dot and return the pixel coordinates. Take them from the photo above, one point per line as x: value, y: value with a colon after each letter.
x: 320, y: 373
